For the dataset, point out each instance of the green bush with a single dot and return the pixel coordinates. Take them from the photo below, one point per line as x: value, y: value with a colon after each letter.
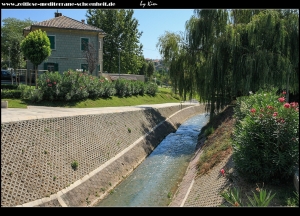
x: 266, y: 137
x: 74, y: 165
x: 151, y: 89
x: 76, y: 86
x: 11, y: 93
x: 9, y: 86
x: 123, y: 88
x: 49, y: 84
x: 263, y: 199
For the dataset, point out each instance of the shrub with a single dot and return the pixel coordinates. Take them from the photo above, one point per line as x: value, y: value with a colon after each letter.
x: 49, y: 83
x: 123, y: 88
x: 263, y: 199
x: 266, y: 137
x: 11, y: 93
x: 74, y: 165
x: 26, y: 91
x: 151, y: 89
x: 108, y: 89
x: 74, y: 86
x: 9, y: 86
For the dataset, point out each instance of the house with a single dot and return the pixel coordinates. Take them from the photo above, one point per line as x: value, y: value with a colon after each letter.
x: 68, y: 38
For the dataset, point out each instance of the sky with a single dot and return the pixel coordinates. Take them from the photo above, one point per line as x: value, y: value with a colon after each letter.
x: 152, y: 22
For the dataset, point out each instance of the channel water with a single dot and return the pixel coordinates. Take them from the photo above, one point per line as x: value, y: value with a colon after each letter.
x: 156, y: 179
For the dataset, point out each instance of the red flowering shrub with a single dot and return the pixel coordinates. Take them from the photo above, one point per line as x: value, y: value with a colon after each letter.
x: 266, y: 142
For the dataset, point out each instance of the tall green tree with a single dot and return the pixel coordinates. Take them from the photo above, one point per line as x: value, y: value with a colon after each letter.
x: 150, y: 69
x: 11, y: 37
x: 36, y: 48
x: 169, y: 48
x: 122, y: 32
x: 143, y: 69
x: 233, y: 52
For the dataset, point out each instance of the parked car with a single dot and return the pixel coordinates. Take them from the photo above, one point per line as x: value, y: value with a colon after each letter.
x: 6, y: 75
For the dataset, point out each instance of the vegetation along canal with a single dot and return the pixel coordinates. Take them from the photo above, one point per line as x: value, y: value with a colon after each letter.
x: 157, y: 178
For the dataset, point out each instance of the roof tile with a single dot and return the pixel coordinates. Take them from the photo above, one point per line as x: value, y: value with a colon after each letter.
x: 67, y: 23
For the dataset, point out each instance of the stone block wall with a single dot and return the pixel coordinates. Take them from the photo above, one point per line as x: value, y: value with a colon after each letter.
x: 36, y: 155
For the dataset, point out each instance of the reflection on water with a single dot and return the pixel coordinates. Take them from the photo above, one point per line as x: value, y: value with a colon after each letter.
x: 156, y: 179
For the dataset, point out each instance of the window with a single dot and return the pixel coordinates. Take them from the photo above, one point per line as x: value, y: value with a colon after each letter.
x: 52, y: 41
x: 50, y: 66
x: 84, y: 67
x: 84, y: 43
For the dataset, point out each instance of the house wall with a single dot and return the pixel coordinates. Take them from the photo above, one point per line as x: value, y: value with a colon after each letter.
x: 68, y: 54
x: 36, y: 155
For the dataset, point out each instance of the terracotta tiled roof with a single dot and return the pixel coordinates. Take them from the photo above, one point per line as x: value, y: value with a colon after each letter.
x: 66, y: 23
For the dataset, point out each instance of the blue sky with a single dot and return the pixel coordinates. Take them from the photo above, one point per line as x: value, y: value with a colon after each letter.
x: 152, y: 22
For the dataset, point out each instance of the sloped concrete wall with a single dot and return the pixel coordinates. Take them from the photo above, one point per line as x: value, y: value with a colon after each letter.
x: 36, y: 155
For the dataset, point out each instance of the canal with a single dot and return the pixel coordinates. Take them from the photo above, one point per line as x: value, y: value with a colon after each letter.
x: 154, y: 182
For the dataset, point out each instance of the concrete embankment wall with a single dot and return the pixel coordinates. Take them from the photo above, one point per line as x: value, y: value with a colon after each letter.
x: 36, y: 155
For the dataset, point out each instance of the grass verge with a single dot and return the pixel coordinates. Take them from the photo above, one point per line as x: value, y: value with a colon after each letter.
x: 164, y: 95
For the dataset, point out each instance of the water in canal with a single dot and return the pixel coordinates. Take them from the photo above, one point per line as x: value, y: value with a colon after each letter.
x: 157, y: 178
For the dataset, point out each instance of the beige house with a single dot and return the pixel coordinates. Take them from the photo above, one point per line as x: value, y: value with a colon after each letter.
x: 68, y: 37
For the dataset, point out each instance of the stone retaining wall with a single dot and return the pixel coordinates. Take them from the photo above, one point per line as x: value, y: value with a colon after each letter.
x: 36, y: 155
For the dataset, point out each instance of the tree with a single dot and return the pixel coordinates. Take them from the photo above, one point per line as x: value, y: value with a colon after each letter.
x: 230, y: 53
x: 122, y: 32
x: 11, y: 37
x: 36, y: 48
x: 143, y: 69
x: 90, y: 53
x: 169, y: 48
x: 150, y: 69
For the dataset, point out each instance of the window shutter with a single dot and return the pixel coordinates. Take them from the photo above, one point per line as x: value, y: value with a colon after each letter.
x: 55, y: 67
x: 52, y: 42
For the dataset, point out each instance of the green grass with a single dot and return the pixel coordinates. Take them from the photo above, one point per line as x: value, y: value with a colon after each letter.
x: 164, y: 95
x: 15, y: 103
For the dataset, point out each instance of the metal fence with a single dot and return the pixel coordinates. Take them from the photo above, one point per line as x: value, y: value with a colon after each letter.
x: 25, y: 76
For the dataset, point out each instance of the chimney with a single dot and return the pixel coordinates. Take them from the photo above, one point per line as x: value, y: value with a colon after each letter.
x: 82, y: 21
x: 56, y: 14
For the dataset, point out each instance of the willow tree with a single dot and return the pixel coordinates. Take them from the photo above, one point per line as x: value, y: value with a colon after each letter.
x: 207, y: 35
x: 181, y: 61
x: 169, y: 48
x: 241, y: 51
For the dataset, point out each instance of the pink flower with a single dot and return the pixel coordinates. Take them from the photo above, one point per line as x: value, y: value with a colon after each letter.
x: 269, y: 107
x: 253, y: 110
x: 222, y: 172
x: 281, y: 100
x: 284, y: 92
x: 54, y: 83
x: 48, y: 80
x: 275, y: 113
x: 294, y: 104
x: 50, y: 84
x: 286, y: 105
